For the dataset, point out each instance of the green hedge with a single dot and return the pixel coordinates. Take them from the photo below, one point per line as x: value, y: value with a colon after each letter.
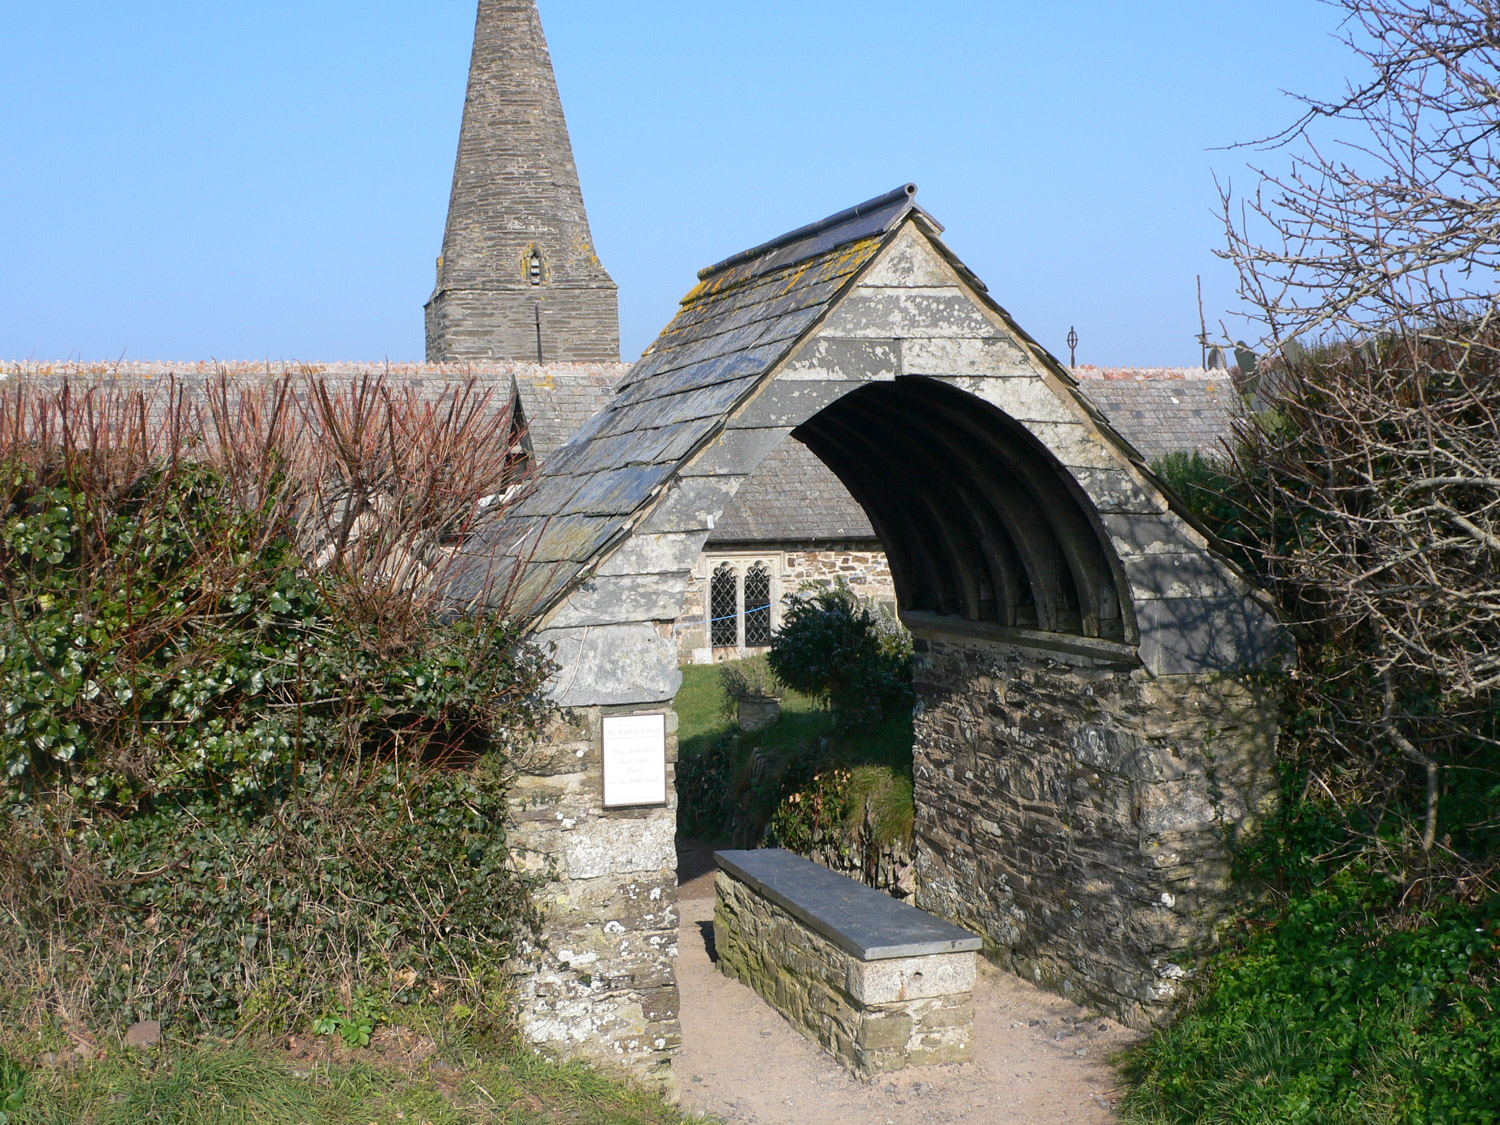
x: 398, y: 886
x: 239, y: 791
x: 1340, y: 1011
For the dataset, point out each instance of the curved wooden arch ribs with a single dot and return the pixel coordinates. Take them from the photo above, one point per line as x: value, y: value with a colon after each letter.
x: 1026, y: 528
x: 994, y: 547
x: 891, y: 522
x: 988, y: 491
x: 889, y: 452
x: 1070, y: 514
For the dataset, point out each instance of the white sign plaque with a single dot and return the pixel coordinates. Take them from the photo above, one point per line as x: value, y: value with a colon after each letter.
x: 635, y: 760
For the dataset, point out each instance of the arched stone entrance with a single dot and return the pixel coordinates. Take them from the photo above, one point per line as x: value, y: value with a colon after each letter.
x: 1086, y: 746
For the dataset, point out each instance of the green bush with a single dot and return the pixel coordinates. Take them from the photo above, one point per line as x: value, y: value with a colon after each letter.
x: 252, y: 774
x: 1338, y: 1012
x: 833, y: 646
x: 164, y: 641
x: 1361, y: 986
x: 214, y: 917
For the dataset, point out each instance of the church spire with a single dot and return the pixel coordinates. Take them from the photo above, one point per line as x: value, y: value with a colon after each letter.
x: 518, y: 278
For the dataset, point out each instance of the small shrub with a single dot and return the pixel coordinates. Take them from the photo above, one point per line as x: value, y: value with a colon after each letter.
x: 869, y: 805
x: 745, y: 681
x: 834, y: 646
x: 705, y: 783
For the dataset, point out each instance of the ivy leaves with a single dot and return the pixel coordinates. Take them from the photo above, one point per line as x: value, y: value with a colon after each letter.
x: 164, y: 640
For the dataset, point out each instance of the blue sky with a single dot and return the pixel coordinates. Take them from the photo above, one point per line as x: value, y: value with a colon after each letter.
x: 194, y: 180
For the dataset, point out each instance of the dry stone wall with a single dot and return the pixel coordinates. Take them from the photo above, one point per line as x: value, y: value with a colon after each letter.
x: 1079, y: 814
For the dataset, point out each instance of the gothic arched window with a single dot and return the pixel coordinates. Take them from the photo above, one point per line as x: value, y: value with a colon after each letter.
x: 758, y: 606
x: 724, y: 607
x: 534, y: 266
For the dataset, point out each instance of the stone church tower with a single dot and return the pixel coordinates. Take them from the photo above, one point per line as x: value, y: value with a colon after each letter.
x: 518, y: 279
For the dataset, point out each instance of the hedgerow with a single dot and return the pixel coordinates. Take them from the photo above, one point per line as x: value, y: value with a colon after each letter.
x: 1361, y: 984
x: 252, y: 770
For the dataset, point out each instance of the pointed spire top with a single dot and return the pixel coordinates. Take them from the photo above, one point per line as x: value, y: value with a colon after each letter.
x: 518, y: 278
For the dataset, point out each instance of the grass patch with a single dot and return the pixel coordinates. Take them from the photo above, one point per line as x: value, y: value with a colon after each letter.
x: 210, y: 1085
x: 702, y: 719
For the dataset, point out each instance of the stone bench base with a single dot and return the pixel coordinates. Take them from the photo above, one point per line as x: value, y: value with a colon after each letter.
x: 877, y: 1007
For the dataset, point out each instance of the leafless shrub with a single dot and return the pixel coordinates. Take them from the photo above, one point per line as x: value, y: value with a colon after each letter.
x: 376, y: 483
x: 1370, y: 266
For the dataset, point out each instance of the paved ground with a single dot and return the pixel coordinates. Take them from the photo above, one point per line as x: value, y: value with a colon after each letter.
x: 1037, y: 1059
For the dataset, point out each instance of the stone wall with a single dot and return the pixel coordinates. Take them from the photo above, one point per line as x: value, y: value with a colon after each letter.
x: 1079, y: 813
x: 602, y: 984
x: 867, y: 571
x: 873, y: 1016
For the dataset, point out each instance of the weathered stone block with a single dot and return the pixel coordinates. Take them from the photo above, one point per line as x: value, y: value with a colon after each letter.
x: 827, y: 357
x: 612, y: 665
x: 623, y: 600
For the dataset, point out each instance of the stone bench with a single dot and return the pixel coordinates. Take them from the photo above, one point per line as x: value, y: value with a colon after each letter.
x: 879, y: 984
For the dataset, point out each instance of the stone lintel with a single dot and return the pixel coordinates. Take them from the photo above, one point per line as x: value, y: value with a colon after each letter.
x: 870, y: 925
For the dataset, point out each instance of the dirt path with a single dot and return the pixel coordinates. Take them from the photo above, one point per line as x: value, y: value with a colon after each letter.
x: 1037, y: 1061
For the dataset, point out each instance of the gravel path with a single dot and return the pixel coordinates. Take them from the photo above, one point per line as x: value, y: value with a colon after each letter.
x: 1037, y: 1060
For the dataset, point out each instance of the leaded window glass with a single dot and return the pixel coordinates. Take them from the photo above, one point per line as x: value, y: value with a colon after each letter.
x: 757, y: 606
x: 724, y: 607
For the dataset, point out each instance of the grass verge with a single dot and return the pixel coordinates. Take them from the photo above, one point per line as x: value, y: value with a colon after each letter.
x: 213, y: 1085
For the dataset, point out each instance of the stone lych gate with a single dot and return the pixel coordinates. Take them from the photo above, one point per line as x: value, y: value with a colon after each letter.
x: 1089, y: 743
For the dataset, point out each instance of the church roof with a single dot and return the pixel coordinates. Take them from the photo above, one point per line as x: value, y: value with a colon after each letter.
x: 556, y: 398
x: 1163, y: 410
x: 792, y: 497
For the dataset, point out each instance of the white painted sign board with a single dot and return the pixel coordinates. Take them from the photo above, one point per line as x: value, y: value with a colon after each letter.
x: 635, y: 760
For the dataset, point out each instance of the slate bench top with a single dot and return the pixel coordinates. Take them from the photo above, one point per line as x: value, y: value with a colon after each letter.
x: 865, y: 922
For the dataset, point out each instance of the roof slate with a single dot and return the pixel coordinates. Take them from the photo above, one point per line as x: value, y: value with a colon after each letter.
x: 558, y: 399
x: 1162, y: 411
x: 792, y: 498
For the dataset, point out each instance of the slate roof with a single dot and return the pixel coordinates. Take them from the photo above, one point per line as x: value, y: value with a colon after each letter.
x: 792, y: 498
x: 742, y: 318
x: 1161, y: 410
x: 556, y: 399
